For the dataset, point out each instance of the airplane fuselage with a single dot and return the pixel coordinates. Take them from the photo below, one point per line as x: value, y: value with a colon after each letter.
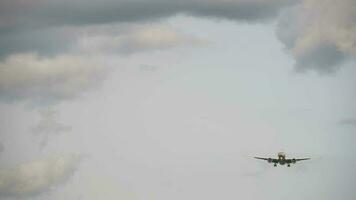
x: 281, y: 158
x: 281, y: 161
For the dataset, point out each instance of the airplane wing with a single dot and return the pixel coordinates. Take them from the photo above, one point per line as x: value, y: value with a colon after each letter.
x: 300, y: 159
x: 294, y: 160
x: 261, y: 158
x: 267, y: 159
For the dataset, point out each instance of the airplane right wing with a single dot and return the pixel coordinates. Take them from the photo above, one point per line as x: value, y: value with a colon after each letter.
x: 294, y: 160
x: 300, y: 159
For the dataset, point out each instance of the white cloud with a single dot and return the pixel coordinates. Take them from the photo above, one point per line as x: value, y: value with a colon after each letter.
x: 27, y: 76
x: 137, y: 39
x: 36, y: 177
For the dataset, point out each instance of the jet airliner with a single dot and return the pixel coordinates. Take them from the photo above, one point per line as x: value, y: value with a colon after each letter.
x: 282, y: 160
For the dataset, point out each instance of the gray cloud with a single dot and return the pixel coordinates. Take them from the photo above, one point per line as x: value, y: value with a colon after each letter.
x: 320, y: 34
x: 319, y: 37
x: 39, y: 13
x: 348, y: 122
x: 324, y: 58
x: 48, y: 126
x: 49, y: 27
x: 50, y: 79
x: 47, y: 42
x: 36, y: 177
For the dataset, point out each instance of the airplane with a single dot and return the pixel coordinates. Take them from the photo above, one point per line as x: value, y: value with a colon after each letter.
x: 282, y: 160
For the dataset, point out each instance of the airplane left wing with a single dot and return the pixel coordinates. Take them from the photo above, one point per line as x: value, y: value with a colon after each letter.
x: 268, y: 159
x: 261, y: 158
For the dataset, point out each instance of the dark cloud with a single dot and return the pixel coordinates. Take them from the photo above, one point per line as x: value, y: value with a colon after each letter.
x: 318, y: 34
x: 37, y: 37
x: 325, y: 58
x: 40, y: 26
x: 47, y: 42
x: 39, y: 13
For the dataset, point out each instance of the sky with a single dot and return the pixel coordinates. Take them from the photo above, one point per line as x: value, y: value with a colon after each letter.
x: 167, y: 100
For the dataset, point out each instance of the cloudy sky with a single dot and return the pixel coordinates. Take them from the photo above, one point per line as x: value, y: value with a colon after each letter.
x: 168, y: 100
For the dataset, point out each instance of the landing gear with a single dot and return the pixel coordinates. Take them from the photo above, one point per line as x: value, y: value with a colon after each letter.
x: 288, y: 165
x: 275, y: 164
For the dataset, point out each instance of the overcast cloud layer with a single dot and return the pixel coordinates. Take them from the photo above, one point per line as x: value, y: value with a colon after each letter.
x: 53, y: 51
